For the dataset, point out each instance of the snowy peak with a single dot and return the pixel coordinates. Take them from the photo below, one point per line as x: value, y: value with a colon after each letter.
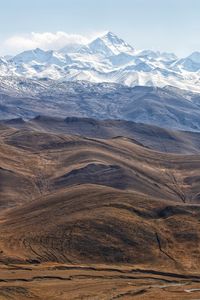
x: 116, y: 44
x: 161, y: 56
x: 39, y: 56
x: 195, y: 57
x: 169, y: 56
x: 107, y: 45
x: 191, y: 63
x: 32, y: 55
x: 97, y: 47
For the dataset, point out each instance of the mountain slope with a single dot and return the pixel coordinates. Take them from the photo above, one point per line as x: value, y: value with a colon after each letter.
x: 97, y: 201
x: 152, y: 137
x: 167, y: 107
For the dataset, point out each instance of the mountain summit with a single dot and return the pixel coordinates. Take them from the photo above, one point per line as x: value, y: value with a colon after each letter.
x: 107, y: 45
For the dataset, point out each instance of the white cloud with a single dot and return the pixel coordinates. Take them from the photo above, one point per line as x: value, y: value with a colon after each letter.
x: 45, y: 41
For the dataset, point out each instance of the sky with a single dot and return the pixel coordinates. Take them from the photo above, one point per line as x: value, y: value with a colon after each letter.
x: 164, y: 25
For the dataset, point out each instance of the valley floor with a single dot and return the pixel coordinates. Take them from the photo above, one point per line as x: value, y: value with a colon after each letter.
x: 96, y: 282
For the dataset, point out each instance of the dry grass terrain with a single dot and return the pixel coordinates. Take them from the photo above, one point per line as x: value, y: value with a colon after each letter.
x: 97, y: 218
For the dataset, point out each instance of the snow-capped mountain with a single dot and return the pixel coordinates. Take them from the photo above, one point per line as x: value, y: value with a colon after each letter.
x: 107, y: 45
x: 190, y: 63
x: 39, y: 57
x: 107, y: 59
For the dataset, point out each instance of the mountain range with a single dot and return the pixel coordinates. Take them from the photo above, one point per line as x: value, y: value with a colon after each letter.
x: 106, y: 59
x: 106, y: 79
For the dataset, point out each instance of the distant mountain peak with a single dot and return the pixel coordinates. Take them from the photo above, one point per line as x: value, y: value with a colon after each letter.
x: 38, y: 56
x: 195, y: 57
x: 109, y: 33
x: 108, y: 44
x: 39, y: 50
x: 190, y: 63
x: 116, y: 44
x: 110, y: 36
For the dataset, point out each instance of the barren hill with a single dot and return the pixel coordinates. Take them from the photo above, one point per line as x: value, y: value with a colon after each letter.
x: 69, y: 199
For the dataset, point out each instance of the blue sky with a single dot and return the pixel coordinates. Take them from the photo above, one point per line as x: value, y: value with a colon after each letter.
x: 166, y: 25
